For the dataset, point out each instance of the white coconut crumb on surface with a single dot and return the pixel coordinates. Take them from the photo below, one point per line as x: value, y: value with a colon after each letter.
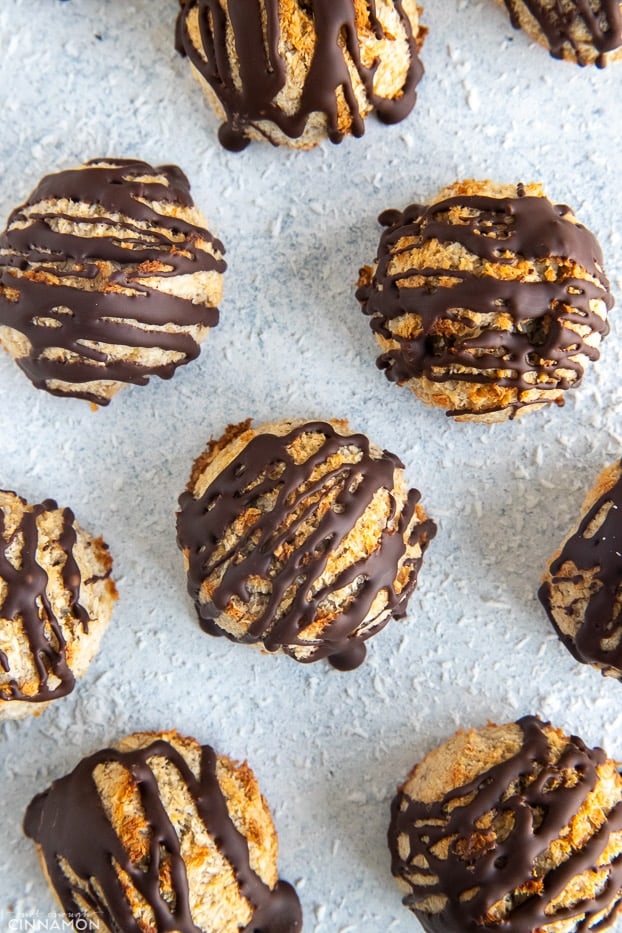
x: 85, y: 80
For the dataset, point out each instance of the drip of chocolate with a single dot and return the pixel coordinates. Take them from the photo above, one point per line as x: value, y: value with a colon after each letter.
x: 602, y: 19
x: 597, y: 639
x: 490, y: 228
x: 491, y: 872
x: 27, y: 601
x: 124, y: 198
x: 266, y: 468
x: 56, y: 821
x: 250, y: 96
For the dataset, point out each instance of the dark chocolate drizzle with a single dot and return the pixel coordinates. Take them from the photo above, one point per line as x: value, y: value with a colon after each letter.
x: 103, y: 316
x: 262, y: 69
x: 559, y: 22
x: 601, y: 551
x: 540, y: 807
x: 266, y: 467
x: 57, y: 821
x: 27, y: 601
x: 501, y: 229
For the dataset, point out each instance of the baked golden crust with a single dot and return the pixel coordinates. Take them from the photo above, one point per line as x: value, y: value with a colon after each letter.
x: 308, y: 71
x: 582, y: 33
x: 517, y: 826
x: 488, y: 301
x: 108, y: 276
x: 582, y: 587
x: 317, y: 547
x: 56, y: 600
x: 177, y: 834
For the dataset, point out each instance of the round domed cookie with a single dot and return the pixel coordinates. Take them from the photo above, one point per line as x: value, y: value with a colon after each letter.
x: 582, y: 588
x: 108, y: 275
x: 488, y: 301
x: 294, y: 72
x: 301, y: 538
x: 56, y: 600
x: 516, y: 827
x: 587, y: 33
x: 161, y: 833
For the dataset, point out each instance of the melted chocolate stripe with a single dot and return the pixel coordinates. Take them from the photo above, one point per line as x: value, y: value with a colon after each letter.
x: 490, y: 228
x: 203, y: 523
x: 602, y: 20
x: 506, y: 865
x: 601, y: 552
x: 104, y: 316
x: 529, y: 226
x: 27, y: 600
x: 145, y: 245
x: 55, y: 820
x: 121, y: 187
x: 263, y: 72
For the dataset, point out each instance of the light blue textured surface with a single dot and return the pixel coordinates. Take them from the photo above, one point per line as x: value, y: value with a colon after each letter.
x: 88, y: 78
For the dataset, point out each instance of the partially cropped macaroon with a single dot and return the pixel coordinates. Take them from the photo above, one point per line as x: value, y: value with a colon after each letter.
x: 582, y: 588
x: 108, y: 276
x: 488, y: 302
x: 586, y: 33
x: 514, y: 827
x: 295, y: 73
x: 300, y: 538
x: 161, y: 833
x: 56, y: 600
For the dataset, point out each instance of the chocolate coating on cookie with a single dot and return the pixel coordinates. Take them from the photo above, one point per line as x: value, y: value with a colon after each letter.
x: 516, y: 316
x: 582, y: 592
x: 51, y: 617
x: 87, y: 266
x: 290, y: 521
x: 26, y: 593
x: 529, y: 844
x: 240, y: 56
x: 84, y: 867
x: 583, y: 30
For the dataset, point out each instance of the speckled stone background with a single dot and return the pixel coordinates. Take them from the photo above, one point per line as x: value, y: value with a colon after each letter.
x: 86, y: 78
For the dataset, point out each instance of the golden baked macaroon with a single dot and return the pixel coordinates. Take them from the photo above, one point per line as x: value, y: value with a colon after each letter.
x: 56, y: 600
x: 161, y: 833
x: 301, y: 538
x: 582, y: 587
x: 488, y: 301
x: 108, y: 275
x: 586, y: 33
x: 295, y: 73
x: 514, y: 827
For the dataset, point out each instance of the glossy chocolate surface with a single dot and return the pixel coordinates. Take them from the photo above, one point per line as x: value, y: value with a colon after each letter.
x: 595, y: 559
x: 27, y: 605
x: 56, y: 820
x: 50, y: 279
x: 538, y: 350
x: 248, y: 89
x: 602, y: 19
x: 536, y: 798
x: 294, y: 599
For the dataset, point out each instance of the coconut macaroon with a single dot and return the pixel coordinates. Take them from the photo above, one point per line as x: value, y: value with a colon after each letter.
x: 161, y: 833
x: 300, y: 537
x: 582, y: 587
x: 586, y: 33
x: 108, y: 275
x: 513, y: 827
x: 488, y: 301
x: 295, y: 73
x: 56, y: 600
